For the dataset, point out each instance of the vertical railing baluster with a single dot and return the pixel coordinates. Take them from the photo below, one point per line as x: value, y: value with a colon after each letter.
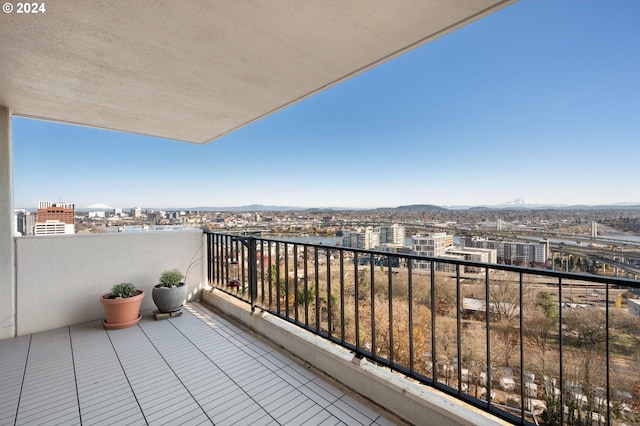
x: 606, y: 304
x: 306, y: 288
x: 278, y: 278
x: 356, y: 304
x: 286, y: 280
x: 316, y: 271
x: 209, y: 258
x: 227, y: 257
x: 341, y: 252
x: 410, y: 296
x: 390, y: 291
x: 487, y: 308
x: 253, y: 278
x: 372, y: 297
x: 262, y: 302
x: 242, y: 265
x: 270, y: 278
x: 458, y: 330
x: 560, y: 341
x: 217, y: 275
x: 329, y: 319
x: 296, y: 301
x: 522, y: 384
x: 432, y: 275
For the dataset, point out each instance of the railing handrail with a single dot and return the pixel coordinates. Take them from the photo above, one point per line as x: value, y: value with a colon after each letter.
x: 601, y: 279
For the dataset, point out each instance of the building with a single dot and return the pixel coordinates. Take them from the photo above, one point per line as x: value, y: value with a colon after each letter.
x: 64, y: 212
x: 24, y: 222
x: 53, y: 227
x: 367, y: 239
x: 634, y: 306
x: 512, y: 252
x: 394, y: 234
x: 479, y: 255
x: 54, y: 218
x: 433, y: 245
x: 136, y: 212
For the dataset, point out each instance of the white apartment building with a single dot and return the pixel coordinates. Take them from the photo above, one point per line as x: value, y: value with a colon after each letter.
x: 367, y: 239
x: 394, y: 234
x: 433, y: 245
x: 479, y: 255
x: 513, y: 252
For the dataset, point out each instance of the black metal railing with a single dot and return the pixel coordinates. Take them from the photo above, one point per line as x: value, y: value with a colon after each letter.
x: 528, y: 345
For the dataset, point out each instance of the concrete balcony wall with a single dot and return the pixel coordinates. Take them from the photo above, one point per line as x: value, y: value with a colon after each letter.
x: 60, y: 278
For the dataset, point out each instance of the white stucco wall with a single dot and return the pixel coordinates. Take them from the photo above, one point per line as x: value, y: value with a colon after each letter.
x: 60, y: 278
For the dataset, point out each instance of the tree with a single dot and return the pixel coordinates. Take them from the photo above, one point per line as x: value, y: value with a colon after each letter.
x: 538, y: 331
x: 545, y: 303
x: 504, y: 299
x: 507, y: 341
x: 588, y: 325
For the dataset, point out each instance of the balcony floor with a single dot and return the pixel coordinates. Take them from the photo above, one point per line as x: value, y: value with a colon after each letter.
x: 190, y: 370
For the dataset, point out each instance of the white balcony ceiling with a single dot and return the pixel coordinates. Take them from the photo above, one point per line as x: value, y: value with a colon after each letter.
x: 194, y: 71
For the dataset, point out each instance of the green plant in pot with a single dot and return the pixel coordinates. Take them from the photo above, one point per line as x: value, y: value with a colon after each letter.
x: 171, y: 292
x: 122, y: 306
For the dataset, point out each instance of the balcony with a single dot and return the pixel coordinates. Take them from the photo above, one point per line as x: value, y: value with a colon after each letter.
x: 61, y: 342
x: 388, y: 351
x: 546, y: 342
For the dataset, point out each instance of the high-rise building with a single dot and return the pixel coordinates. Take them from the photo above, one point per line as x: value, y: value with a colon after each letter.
x: 63, y: 212
x: 393, y: 234
x: 433, y: 245
x: 54, y: 218
x: 359, y: 239
x: 24, y: 222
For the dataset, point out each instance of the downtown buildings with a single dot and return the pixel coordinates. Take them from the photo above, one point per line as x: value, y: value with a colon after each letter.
x: 50, y: 219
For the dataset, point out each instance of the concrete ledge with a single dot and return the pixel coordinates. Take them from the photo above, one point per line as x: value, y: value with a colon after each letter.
x: 415, y: 403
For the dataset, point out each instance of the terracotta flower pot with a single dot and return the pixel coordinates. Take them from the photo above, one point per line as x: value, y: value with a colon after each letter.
x: 121, y: 313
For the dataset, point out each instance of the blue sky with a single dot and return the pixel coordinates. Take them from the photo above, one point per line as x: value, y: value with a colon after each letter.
x: 540, y: 100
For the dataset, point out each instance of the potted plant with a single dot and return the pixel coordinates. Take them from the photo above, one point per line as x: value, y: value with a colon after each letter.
x: 122, y: 306
x: 170, y: 292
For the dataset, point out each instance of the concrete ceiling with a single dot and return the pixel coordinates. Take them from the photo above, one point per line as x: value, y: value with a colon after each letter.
x: 197, y: 70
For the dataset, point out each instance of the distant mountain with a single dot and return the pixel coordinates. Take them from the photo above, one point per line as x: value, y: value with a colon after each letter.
x: 420, y: 207
x: 99, y: 207
x: 248, y: 208
x: 518, y: 203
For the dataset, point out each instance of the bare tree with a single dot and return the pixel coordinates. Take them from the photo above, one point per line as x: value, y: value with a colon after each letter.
x: 504, y: 298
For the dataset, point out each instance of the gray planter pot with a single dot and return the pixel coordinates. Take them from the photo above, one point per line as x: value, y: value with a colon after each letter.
x: 169, y: 299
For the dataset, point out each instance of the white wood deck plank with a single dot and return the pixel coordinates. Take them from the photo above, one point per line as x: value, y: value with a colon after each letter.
x: 194, y: 369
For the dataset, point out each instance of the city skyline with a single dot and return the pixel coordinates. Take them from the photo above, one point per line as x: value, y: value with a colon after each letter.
x: 537, y: 101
